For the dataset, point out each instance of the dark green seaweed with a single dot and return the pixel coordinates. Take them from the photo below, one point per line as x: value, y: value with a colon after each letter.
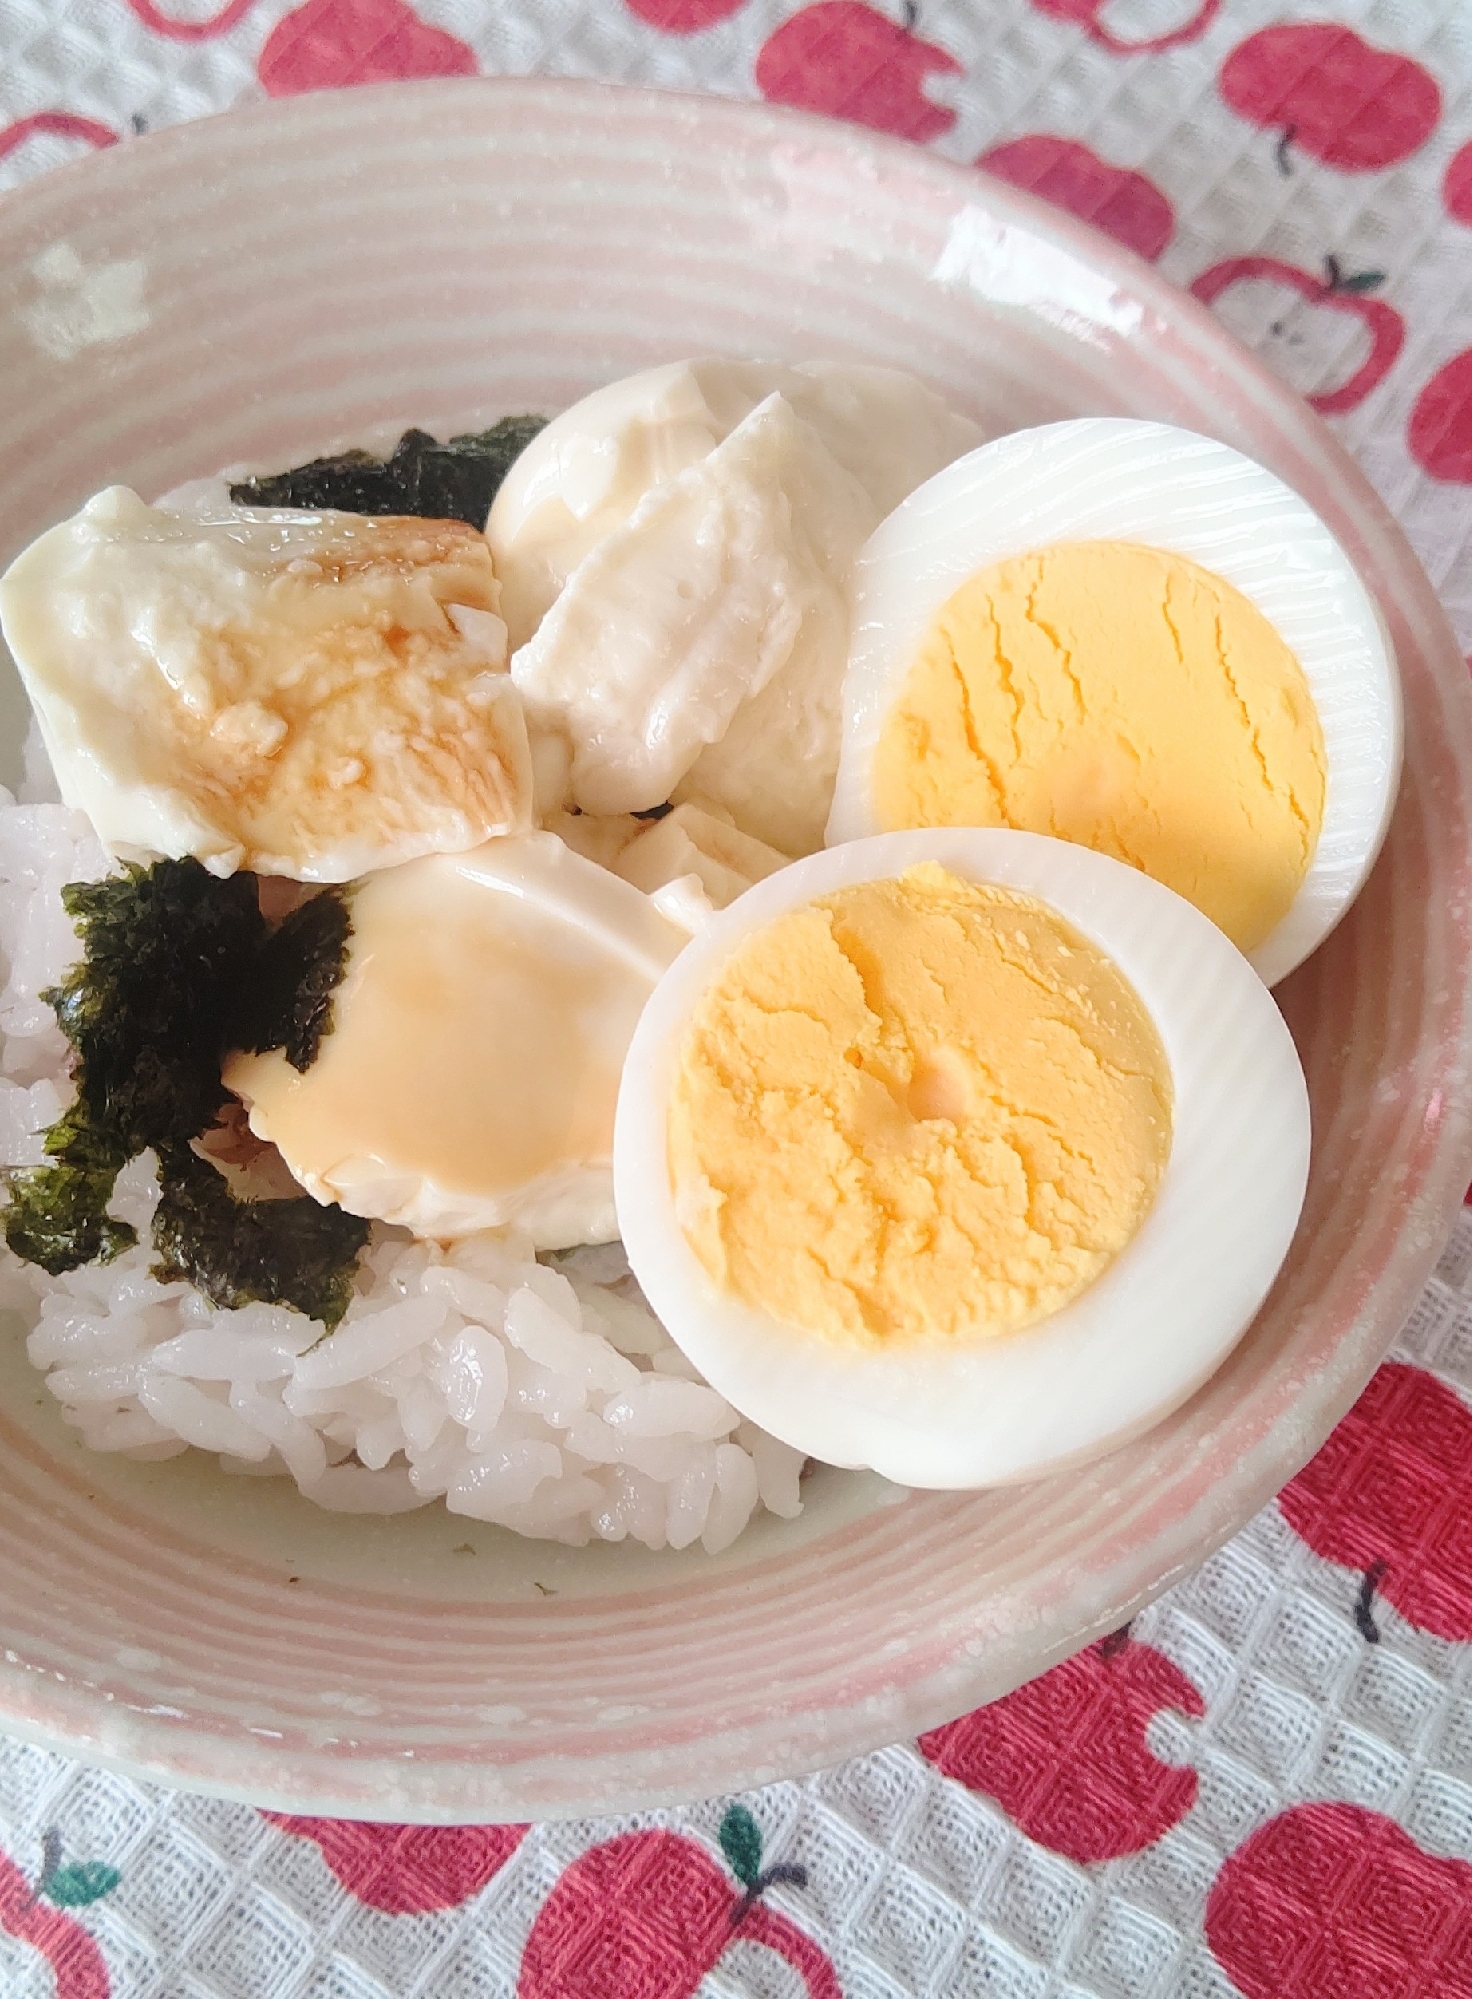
x: 455, y: 481
x: 355, y: 482
x: 58, y: 1217
x: 167, y: 950
x: 178, y: 966
x: 292, y: 1252
x: 289, y: 1002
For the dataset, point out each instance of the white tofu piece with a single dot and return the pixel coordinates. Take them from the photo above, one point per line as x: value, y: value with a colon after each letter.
x: 308, y: 695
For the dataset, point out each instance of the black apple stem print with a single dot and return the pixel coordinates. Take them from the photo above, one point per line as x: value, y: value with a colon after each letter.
x: 1336, y: 285
x: 1364, y: 1617
x: 76, y: 1884
x: 36, y: 1913
x: 1283, y: 149
x: 51, y: 1851
x: 1312, y: 82
x: 1389, y: 1499
x: 1357, y: 281
x: 657, y: 1906
x: 741, y: 1842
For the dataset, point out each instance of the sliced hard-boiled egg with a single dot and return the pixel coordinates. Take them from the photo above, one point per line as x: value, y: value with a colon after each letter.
x: 959, y: 1154
x: 1136, y: 638
x: 675, y: 554
x: 469, y: 1077
x: 307, y: 695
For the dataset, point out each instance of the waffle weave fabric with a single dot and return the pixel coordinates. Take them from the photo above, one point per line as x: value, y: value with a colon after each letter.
x: 1264, y: 1786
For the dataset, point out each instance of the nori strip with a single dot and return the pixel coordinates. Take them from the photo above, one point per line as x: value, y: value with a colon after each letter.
x: 167, y: 952
x: 456, y: 481
x: 164, y: 952
x: 178, y: 966
x: 468, y: 471
x: 289, y: 1003
x: 356, y: 482
x: 58, y: 1217
x: 292, y: 1252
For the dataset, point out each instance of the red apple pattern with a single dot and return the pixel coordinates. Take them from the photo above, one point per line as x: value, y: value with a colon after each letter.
x: 328, y: 43
x: 408, y: 1870
x: 1337, y: 293
x: 1066, y: 1757
x: 37, y: 1916
x: 683, y: 17
x: 1390, y: 1496
x: 650, y: 1913
x: 1334, y: 1899
x: 1089, y: 14
x: 1440, y: 429
x: 1332, y: 94
x: 1456, y: 188
x: 191, y: 31
x: 61, y: 124
x: 1123, y: 204
x: 851, y: 61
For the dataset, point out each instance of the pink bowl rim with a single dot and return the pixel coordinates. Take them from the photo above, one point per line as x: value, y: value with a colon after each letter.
x: 64, y: 1718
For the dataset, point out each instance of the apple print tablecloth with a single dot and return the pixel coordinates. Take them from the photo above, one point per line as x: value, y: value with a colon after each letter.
x: 1264, y: 1787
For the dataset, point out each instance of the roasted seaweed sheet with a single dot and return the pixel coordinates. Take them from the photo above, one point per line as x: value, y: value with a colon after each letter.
x: 454, y: 481
x: 178, y: 966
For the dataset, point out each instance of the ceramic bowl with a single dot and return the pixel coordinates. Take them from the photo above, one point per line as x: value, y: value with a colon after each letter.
x: 293, y: 273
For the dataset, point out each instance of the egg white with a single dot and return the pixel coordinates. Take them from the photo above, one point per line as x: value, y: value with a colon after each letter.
x: 1144, y: 1335
x: 1118, y: 479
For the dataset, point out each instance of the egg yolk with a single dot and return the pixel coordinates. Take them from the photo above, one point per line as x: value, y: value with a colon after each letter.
x: 1125, y: 699
x: 918, y: 1107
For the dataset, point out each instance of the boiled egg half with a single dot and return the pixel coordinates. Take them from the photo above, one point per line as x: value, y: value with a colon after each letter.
x: 1129, y: 636
x: 961, y: 1154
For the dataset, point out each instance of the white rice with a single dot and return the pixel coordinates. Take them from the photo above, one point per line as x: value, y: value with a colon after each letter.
x: 544, y: 1396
